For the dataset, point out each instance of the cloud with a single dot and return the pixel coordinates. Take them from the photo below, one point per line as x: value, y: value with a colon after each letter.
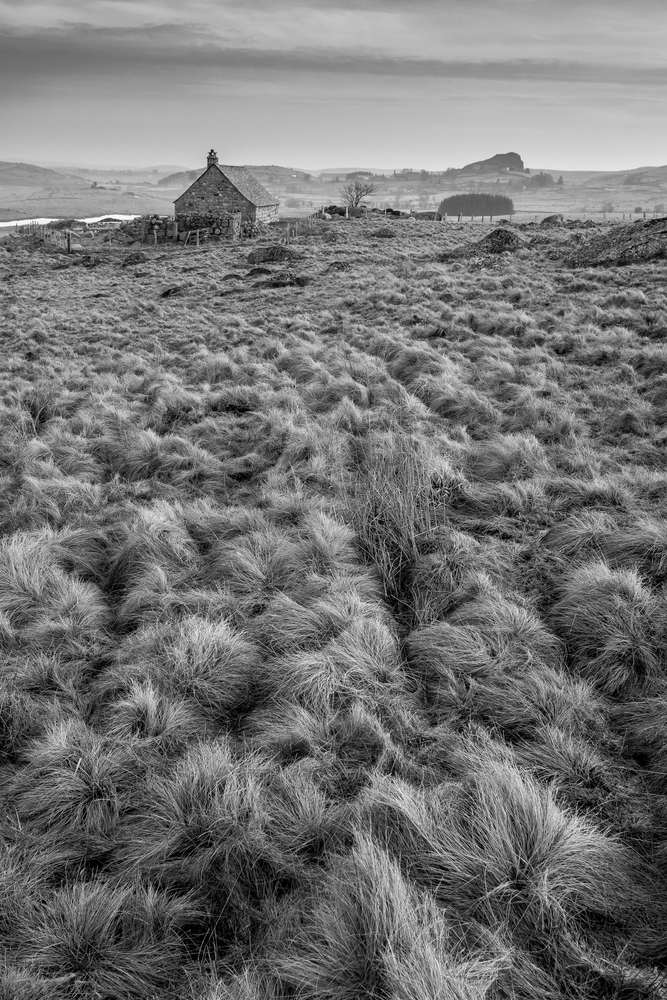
x: 81, y: 51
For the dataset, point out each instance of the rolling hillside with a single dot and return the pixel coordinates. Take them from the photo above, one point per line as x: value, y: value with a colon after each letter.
x: 27, y: 175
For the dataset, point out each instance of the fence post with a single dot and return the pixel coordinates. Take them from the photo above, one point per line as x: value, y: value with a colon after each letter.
x: 69, y: 241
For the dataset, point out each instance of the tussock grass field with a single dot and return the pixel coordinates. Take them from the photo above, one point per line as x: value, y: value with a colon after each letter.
x: 333, y: 622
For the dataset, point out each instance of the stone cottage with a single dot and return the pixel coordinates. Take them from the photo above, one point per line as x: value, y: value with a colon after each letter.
x: 223, y: 190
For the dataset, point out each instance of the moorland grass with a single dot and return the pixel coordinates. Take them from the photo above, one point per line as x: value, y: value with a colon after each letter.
x: 333, y: 624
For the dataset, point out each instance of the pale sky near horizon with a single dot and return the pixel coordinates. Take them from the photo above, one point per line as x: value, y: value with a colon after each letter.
x: 570, y: 84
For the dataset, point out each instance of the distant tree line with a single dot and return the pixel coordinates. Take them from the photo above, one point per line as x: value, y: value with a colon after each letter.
x: 543, y: 180
x: 477, y: 204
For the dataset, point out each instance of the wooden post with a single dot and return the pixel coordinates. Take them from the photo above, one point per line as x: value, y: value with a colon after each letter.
x: 69, y: 241
x: 197, y: 243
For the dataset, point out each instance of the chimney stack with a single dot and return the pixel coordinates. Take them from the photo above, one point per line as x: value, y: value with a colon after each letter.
x: 211, y: 158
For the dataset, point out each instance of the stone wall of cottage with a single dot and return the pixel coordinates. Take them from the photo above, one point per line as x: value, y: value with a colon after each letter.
x: 267, y: 213
x: 213, y: 194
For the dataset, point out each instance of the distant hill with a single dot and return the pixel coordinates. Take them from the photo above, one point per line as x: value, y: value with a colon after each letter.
x: 28, y: 175
x: 350, y: 170
x: 641, y: 177
x: 264, y: 173
x: 495, y: 164
x: 181, y: 179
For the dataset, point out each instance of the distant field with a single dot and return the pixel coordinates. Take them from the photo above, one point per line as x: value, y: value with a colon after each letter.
x: 78, y: 202
x: 333, y: 619
x: 583, y: 192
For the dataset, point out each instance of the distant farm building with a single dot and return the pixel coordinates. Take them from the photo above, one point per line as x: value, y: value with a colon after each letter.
x: 224, y: 191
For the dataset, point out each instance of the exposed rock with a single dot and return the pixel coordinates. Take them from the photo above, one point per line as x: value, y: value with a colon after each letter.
x: 552, y: 220
x: 384, y: 232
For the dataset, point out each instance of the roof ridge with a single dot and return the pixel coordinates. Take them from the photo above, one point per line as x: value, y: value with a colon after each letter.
x: 243, y: 180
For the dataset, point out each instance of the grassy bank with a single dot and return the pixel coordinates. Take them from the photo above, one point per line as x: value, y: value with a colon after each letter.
x: 333, y: 622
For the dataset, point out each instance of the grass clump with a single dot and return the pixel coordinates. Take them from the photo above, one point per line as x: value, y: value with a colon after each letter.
x: 332, y: 624
x: 612, y: 625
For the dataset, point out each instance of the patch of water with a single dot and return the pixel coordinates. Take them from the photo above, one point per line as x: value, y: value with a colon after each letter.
x: 45, y: 222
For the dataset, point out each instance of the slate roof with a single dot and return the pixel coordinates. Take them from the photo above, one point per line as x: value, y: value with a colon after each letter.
x: 244, y: 182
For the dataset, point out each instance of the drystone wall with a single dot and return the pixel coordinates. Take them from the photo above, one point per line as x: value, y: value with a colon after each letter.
x: 224, y: 227
x: 162, y: 229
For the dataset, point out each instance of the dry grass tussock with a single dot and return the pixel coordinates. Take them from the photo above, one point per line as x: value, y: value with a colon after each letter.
x: 333, y: 622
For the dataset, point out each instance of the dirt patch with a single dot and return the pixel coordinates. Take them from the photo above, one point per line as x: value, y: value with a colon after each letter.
x: 263, y: 255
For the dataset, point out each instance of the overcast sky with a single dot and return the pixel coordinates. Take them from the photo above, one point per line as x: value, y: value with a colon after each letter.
x: 570, y: 84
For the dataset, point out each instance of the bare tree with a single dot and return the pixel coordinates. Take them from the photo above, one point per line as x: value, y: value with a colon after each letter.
x: 354, y: 193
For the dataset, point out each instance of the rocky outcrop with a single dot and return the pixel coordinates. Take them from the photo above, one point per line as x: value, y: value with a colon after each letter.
x: 501, y: 162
